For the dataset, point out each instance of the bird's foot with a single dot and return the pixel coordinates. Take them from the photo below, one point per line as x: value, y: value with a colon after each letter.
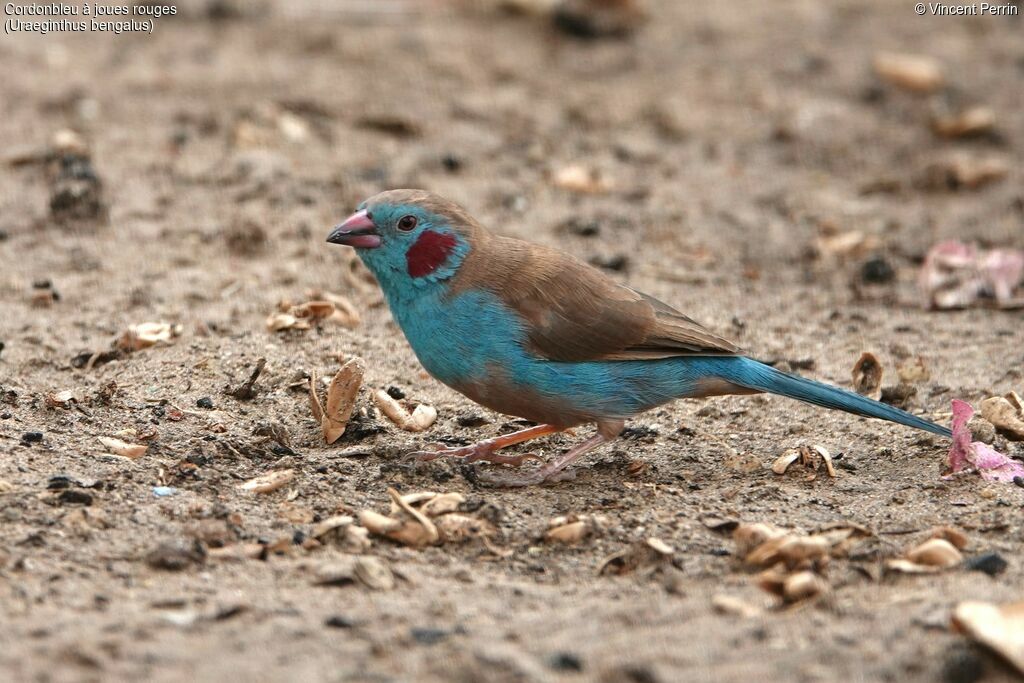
x: 479, y: 452
x: 556, y: 470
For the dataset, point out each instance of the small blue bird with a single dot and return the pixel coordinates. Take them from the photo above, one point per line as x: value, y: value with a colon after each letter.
x: 530, y: 331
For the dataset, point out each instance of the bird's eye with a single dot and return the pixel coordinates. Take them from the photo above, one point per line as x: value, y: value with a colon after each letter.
x: 406, y: 223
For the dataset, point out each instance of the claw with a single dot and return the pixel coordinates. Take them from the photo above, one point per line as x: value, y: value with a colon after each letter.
x: 421, y: 456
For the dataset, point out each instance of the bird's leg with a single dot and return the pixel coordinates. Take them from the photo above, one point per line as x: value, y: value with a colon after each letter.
x: 485, y: 450
x: 554, y: 470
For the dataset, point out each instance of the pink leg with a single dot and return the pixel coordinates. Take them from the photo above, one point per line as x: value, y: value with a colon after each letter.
x: 554, y: 470
x: 485, y: 450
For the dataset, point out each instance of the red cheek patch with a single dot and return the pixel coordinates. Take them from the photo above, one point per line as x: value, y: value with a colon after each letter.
x: 428, y: 252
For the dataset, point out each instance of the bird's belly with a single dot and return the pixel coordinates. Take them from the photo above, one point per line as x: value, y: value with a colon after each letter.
x: 475, y: 344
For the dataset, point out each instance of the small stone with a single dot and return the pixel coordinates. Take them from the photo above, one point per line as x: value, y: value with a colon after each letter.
x: 586, y: 20
x: 962, y: 665
x: 566, y: 661
x: 451, y: 163
x: 31, y: 437
x: 339, y: 621
x: 206, y: 403
x: 471, y: 420
x: 616, y: 263
x: 898, y: 395
x: 581, y: 227
x: 74, y: 497
x: 76, y: 193
x: 60, y: 481
x: 631, y: 673
x: 176, y: 555
x: 992, y: 564
x: 396, y: 393
x: 428, y: 635
x: 877, y: 271
x: 982, y: 430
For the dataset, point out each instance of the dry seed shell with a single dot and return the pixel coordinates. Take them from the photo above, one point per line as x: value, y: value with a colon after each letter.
x: 867, y: 376
x: 457, y: 528
x: 118, y: 447
x: 802, y: 586
x: 910, y: 72
x: 430, y: 531
x: 442, y: 504
x: 269, y: 482
x: 341, y: 399
x: 374, y: 573
x: 328, y: 525
x: 935, y: 552
x: 1004, y: 416
x: 997, y: 627
x: 420, y: 419
x: 378, y: 524
x: 955, y: 536
x: 572, y: 532
x: 749, y: 536
x: 783, y: 462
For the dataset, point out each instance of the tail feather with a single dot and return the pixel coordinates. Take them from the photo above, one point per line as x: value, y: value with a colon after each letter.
x: 754, y: 375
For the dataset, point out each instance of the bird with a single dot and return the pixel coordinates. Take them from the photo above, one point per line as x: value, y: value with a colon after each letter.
x: 532, y: 332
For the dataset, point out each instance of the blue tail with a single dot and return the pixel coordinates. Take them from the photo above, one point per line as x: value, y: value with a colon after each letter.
x: 751, y: 374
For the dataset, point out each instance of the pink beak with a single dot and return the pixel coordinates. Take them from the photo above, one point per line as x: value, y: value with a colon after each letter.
x: 356, y: 231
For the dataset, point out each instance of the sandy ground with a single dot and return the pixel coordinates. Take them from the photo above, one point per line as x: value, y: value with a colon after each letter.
x: 733, y: 137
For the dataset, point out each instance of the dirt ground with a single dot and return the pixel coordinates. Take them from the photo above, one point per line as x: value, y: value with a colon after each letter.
x: 732, y: 137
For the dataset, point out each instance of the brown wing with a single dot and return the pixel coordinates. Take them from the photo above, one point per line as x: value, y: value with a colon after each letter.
x: 574, y: 312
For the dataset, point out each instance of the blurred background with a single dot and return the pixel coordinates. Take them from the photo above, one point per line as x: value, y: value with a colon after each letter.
x: 722, y: 142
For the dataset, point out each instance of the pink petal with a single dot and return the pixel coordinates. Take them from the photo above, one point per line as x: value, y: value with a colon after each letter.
x: 1004, y: 269
x: 990, y: 463
x: 1006, y: 472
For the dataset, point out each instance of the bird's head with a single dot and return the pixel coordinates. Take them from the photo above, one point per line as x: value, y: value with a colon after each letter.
x: 408, y: 238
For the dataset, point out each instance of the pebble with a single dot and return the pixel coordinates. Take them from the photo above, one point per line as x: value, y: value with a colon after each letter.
x: 582, y: 227
x: 992, y: 564
x: 982, y: 430
x: 471, y: 420
x: 206, y: 403
x: 163, y: 491
x: 877, y: 271
x: 339, y: 621
x: 962, y: 665
x: 428, y: 635
x: 631, y: 673
x: 616, y: 263
x: 566, y: 661
x: 60, y: 481
x: 451, y: 163
x: 31, y: 437
x: 74, y: 497
x: 176, y: 555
